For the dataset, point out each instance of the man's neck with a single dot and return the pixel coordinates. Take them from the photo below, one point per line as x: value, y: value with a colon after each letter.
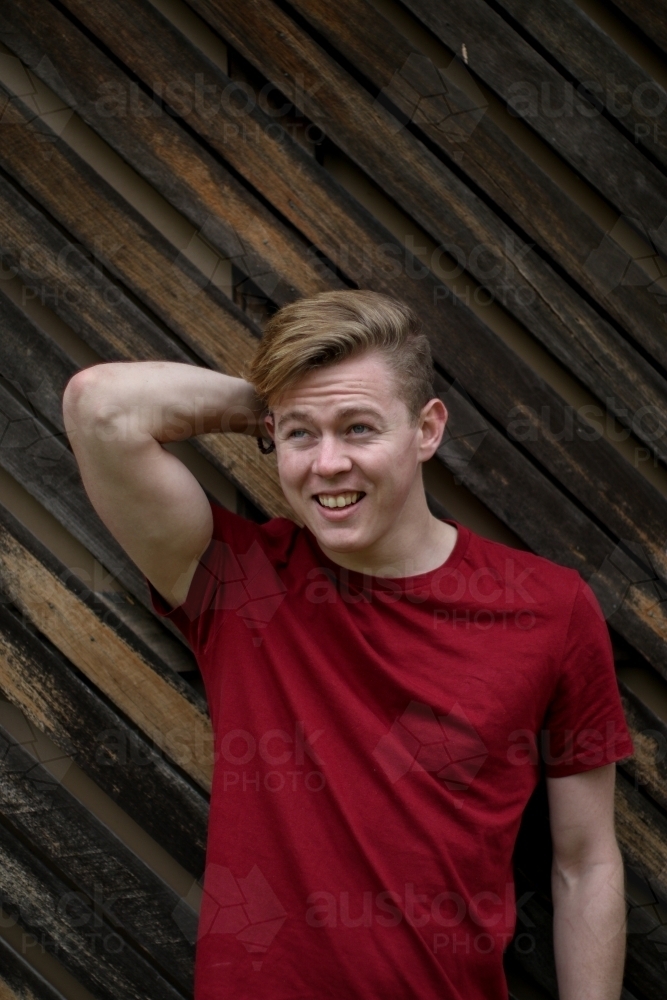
x: 418, y: 543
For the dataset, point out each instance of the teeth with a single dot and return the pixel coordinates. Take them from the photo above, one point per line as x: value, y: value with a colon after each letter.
x: 343, y: 500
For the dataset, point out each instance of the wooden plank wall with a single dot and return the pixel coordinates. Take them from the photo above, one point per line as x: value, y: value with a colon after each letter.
x: 172, y: 173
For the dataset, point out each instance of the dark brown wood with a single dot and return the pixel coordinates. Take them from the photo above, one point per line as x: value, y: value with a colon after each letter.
x: 651, y: 18
x: 19, y: 980
x: 493, y: 374
x: 88, y: 856
x: 66, y: 925
x: 602, y: 68
x: 103, y: 314
x: 453, y: 215
x: 536, y: 92
x: 648, y: 766
x: 37, y: 370
x: 225, y: 213
x: 155, y: 698
x: 461, y: 127
x: 132, y: 770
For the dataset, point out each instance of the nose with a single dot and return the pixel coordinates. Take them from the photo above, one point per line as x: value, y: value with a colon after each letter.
x: 331, y: 458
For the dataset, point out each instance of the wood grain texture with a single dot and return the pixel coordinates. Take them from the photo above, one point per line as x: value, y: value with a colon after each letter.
x: 132, y: 770
x: 651, y: 18
x: 224, y: 212
x: 451, y: 213
x: 85, y: 853
x: 636, y: 101
x: 19, y: 980
x: 499, y: 57
x: 71, y: 927
x: 165, y: 707
x: 223, y: 337
x: 424, y: 96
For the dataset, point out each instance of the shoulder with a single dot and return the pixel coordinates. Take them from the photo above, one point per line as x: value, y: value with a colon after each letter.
x: 523, y: 573
x: 276, y: 537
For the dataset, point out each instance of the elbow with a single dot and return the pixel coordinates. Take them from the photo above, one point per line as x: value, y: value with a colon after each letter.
x: 78, y: 390
x: 84, y: 399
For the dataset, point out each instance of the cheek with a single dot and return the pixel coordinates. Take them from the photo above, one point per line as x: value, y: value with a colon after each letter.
x: 291, y: 468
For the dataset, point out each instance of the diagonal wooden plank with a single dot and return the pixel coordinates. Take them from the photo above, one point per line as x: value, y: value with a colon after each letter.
x: 648, y: 765
x: 70, y: 927
x: 134, y: 772
x: 465, y: 347
x: 156, y: 699
x: 36, y: 367
x: 225, y: 213
x: 651, y: 18
x: 541, y: 96
x: 19, y: 980
x: 425, y: 96
x: 450, y: 212
x: 222, y: 336
x: 636, y: 102
x: 86, y: 854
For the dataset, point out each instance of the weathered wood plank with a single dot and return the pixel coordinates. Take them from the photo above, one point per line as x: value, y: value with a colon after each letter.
x: 38, y: 370
x: 134, y: 772
x: 604, y: 70
x: 225, y: 213
x: 73, y: 929
x: 641, y: 830
x: 155, y: 698
x: 103, y: 315
x: 85, y: 853
x: 451, y: 213
x: 648, y: 765
x: 19, y: 980
x: 650, y: 18
x: 38, y: 458
x: 462, y: 344
x: 458, y: 124
x: 543, y: 98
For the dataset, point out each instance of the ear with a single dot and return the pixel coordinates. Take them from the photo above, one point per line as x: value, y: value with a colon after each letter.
x: 269, y: 423
x: 432, y: 422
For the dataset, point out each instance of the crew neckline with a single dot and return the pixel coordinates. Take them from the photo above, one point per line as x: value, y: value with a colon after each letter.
x: 367, y: 580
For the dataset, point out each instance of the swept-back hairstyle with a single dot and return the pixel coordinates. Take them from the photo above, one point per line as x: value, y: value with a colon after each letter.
x: 331, y: 326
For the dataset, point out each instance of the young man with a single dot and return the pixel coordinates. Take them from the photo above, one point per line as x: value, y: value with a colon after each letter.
x: 385, y: 688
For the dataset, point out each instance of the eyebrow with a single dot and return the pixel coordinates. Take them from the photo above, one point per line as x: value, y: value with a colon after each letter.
x: 347, y: 411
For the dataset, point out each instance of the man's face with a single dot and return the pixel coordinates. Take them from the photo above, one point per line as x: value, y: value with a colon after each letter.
x: 343, y: 434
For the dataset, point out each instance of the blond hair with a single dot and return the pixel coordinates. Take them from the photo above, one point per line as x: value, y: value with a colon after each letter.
x: 331, y: 326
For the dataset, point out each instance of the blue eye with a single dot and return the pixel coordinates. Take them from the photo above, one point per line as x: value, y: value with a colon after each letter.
x: 364, y: 427
x: 299, y: 431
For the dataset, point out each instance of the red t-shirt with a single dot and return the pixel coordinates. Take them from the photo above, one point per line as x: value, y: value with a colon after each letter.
x: 376, y: 741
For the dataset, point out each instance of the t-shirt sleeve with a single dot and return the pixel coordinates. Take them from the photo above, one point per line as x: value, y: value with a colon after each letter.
x: 585, y: 726
x: 219, y: 581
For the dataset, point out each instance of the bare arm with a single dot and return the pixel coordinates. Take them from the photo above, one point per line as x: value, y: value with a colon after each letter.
x: 117, y: 416
x: 587, y: 886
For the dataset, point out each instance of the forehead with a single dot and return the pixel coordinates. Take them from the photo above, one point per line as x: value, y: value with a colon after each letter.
x: 366, y: 380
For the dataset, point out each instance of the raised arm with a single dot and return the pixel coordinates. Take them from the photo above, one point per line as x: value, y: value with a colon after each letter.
x: 117, y: 416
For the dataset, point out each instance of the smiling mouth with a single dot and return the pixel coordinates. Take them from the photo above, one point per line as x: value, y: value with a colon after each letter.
x: 337, y: 502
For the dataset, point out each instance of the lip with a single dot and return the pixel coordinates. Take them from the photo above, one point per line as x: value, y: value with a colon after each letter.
x: 339, y: 513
